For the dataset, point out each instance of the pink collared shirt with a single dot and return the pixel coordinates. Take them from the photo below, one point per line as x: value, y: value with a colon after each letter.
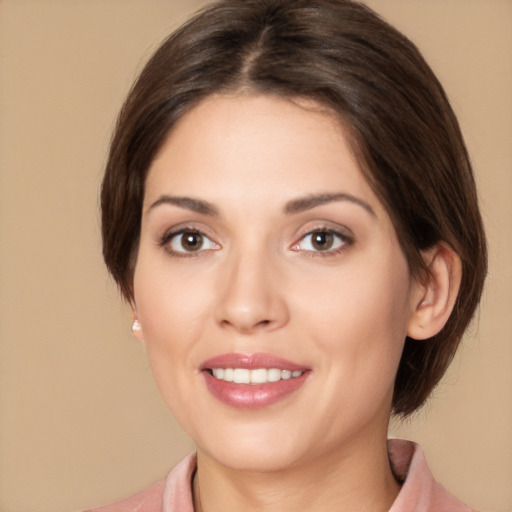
x: 419, y: 493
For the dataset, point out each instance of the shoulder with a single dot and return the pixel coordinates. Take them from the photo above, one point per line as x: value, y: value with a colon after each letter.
x: 420, y: 491
x: 148, y: 500
x: 163, y: 496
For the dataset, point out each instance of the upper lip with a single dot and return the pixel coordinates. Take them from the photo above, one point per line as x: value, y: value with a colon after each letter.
x: 250, y: 362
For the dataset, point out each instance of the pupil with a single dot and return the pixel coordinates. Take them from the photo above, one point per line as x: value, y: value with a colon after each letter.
x: 322, y: 241
x: 192, y: 241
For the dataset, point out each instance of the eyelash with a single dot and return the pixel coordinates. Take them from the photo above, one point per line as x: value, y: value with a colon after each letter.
x: 168, y: 238
x: 344, y: 241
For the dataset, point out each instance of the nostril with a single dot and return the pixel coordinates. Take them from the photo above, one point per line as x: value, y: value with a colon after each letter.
x: 225, y: 323
x: 246, y: 326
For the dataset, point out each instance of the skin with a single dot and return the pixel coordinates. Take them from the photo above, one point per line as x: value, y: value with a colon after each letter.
x: 258, y: 284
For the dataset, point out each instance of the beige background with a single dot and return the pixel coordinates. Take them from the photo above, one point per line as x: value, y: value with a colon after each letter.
x: 81, y: 421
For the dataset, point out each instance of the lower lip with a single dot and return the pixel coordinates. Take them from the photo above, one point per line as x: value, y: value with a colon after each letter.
x: 252, y: 396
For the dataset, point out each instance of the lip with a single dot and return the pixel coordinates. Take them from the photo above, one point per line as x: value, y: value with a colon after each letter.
x: 252, y: 396
x: 250, y: 362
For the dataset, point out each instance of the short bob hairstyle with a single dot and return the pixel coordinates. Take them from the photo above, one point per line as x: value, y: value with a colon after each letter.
x: 344, y: 57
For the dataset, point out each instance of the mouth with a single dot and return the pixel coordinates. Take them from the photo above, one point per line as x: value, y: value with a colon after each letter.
x: 252, y: 381
x: 256, y: 376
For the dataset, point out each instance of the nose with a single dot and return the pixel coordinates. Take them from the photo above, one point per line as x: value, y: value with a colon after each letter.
x: 251, y: 297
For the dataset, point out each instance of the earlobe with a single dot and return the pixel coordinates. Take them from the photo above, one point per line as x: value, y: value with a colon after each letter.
x: 136, y: 326
x: 435, y: 297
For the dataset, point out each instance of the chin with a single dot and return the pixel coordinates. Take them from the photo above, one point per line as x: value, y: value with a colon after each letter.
x: 253, y: 460
x: 253, y: 449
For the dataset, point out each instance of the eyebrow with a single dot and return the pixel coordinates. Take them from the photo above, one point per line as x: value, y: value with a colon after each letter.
x: 292, y: 207
x: 189, y: 203
x: 312, y: 201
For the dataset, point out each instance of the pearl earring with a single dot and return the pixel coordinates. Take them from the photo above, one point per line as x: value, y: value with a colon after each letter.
x: 136, y: 326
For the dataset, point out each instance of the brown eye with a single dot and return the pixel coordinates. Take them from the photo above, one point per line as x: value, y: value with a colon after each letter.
x: 322, y: 241
x: 189, y: 241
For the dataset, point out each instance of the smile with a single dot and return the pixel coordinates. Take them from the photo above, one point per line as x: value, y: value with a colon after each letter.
x: 255, y: 376
x: 252, y: 381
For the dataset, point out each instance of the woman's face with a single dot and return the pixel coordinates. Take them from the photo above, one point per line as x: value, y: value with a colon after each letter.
x: 266, y: 257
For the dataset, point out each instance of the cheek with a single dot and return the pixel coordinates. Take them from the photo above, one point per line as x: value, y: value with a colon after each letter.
x: 359, y: 317
x: 172, y: 309
x: 171, y: 329
x: 172, y: 304
x: 361, y: 295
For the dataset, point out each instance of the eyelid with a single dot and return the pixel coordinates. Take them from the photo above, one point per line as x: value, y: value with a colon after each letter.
x: 346, y: 239
x: 169, y: 236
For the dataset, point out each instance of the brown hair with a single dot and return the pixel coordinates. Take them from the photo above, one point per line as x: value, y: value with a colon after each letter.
x: 340, y: 54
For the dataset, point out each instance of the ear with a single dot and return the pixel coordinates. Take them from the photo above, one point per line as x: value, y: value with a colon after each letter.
x: 435, y: 295
x: 136, y: 326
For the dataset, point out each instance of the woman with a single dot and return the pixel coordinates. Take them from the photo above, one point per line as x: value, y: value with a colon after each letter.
x: 289, y: 208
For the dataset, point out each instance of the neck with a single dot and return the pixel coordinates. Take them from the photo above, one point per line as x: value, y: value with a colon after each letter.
x: 355, y: 479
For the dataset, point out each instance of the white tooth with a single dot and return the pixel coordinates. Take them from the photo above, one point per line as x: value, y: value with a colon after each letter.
x: 286, y: 374
x: 256, y: 376
x: 218, y: 373
x: 228, y: 374
x: 274, y: 374
x: 241, y: 376
x: 259, y: 376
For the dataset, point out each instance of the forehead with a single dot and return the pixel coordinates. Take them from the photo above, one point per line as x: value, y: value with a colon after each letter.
x: 243, y: 144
